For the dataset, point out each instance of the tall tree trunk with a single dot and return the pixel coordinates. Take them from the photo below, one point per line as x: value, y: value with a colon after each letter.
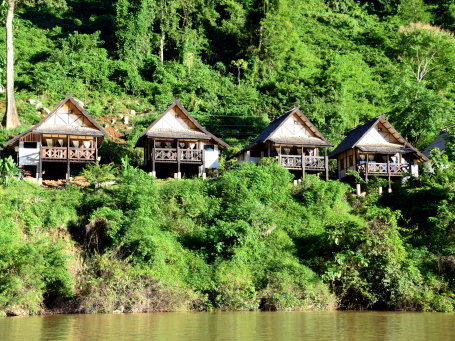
x: 162, y: 48
x: 11, y: 118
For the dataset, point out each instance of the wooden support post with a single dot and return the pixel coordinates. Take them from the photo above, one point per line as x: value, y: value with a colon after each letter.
x: 146, y: 152
x: 179, y: 174
x: 303, y: 163
x: 388, y: 174
x: 68, y: 169
x: 279, y: 156
x: 268, y: 149
x: 203, y: 163
x: 40, y: 164
x: 96, y: 148
x: 153, y: 162
x: 326, y: 165
x: 40, y: 170
x: 152, y: 156
x: 366, y: 166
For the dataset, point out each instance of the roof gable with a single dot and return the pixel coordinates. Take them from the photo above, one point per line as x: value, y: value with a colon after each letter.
x: 176, y: 119
x: 293, y: 126
x: 175, y: 122
x: 282, y: 127
x: 67, y: 117
x: 376, y: 132
x: 380, y: 134
x: 440, y: 142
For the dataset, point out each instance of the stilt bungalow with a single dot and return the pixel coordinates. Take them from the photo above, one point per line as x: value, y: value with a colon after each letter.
x: 377, y: 149
x: 67, y: 138
x: 175, y: 144
x: 440, y: 142
x: 294, y: 141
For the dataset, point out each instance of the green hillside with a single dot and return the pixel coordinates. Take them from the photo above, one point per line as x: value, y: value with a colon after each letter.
x: 236, y: 64
x: 247, y: 239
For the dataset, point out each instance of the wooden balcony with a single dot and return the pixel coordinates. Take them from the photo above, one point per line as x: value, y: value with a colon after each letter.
x: 173, y: 155
x: 65, y: 154
x: 383, y: 168
x: 312, y: 163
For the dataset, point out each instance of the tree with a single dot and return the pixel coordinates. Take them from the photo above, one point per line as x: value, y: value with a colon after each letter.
x: 239, y: 65
x: 422, y: 94
x: 11, y: 119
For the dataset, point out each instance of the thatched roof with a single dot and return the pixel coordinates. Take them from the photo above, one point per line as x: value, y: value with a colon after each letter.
x: 440, y: 142
x: 354, y: 137
x: 266, y: 134
x: 67, y: 130
x: 200, y: 134
x: 63, y: 129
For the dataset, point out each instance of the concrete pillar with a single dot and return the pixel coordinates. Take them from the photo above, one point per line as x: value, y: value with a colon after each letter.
x: 204, y: 176
x: 389, y: 190
x: 358, y: 190
x: 152, y: 173
x: 380, y: 190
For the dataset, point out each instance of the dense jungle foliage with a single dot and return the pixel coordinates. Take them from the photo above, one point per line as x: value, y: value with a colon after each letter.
x: 237, y: 63
x: 246, y: 239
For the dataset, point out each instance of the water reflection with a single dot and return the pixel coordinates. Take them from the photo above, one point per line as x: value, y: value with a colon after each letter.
x: 233, y: 326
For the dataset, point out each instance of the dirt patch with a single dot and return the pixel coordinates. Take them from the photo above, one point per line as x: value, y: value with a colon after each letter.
x: 61, y: 183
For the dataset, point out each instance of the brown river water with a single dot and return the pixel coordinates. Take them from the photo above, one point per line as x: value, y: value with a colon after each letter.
x: 233, y: 326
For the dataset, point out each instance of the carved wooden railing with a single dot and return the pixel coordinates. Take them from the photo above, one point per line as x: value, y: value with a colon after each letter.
x: 82, y: 153
x: 382, y: 168
x: 54, y: 153
x: 61, y: 153
x: 191, y: 155
x: 170, y: 155
x: 295, y: 162
x: 165, y: 154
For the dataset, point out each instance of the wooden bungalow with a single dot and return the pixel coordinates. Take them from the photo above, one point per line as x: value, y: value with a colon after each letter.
x: 440, y: 142
x: 67, y: 136
x: 294, y: 141
x: 176, y: 143
x: 377, y: 149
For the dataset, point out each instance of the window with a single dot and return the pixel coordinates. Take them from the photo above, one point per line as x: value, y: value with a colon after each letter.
x: 30, y: 145
x: 209, y: 147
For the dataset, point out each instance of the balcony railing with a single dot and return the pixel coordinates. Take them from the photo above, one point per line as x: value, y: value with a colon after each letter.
x: 170, y: 155
x: 65, y: 153
x: 295, y: 162
x: 382, y: 168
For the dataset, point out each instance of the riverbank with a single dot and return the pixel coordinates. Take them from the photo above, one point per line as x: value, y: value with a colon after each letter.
x: 247, y: 240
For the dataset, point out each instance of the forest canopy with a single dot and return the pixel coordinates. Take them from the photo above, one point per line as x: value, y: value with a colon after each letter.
x: 238, y: 63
